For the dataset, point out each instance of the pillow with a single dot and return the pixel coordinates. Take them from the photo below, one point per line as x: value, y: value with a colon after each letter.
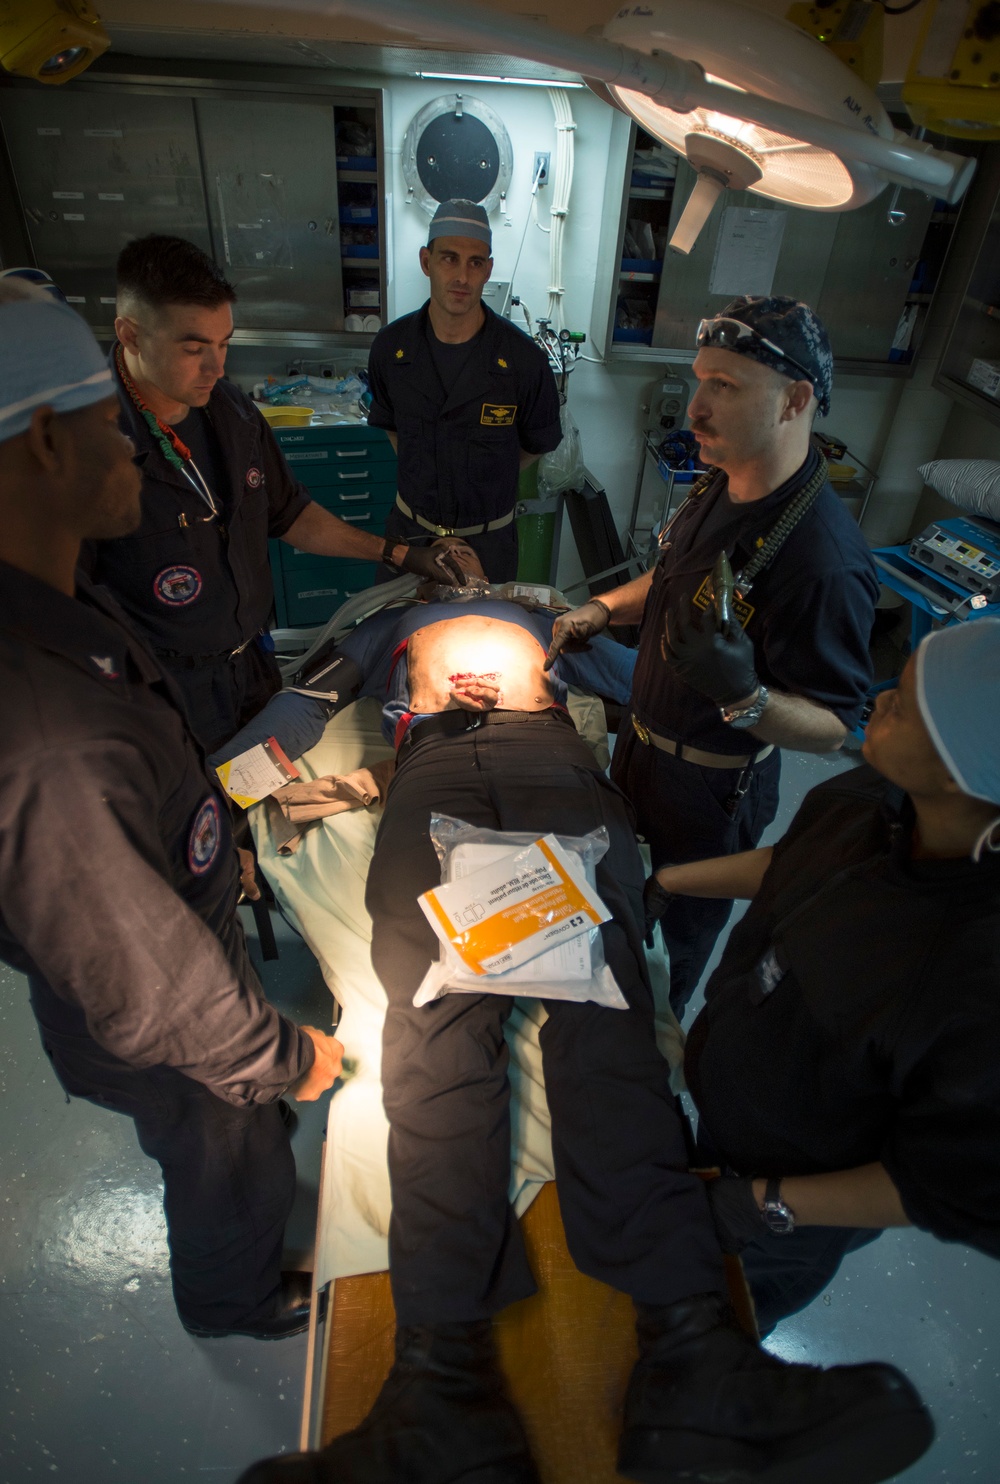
x: 971, y: 484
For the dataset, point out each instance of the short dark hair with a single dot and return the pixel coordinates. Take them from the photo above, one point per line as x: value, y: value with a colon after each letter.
x: 169, y: 270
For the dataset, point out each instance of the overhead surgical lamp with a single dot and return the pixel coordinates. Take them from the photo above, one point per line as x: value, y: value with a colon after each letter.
x: 50, y: 40
x: 752, y: 102
x: 748, y: 52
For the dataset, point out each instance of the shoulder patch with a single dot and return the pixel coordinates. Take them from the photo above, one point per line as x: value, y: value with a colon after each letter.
x: 254, y: 477
x: 205, y: 837
x: 177, y: 586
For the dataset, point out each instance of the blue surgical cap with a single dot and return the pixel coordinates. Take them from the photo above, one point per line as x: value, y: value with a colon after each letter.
x: 48, y: 358
x: 958, y: 692
x: 461, y: 219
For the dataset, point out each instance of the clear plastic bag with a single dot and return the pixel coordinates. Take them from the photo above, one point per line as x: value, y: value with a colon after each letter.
x: 574, y: 971
x: 563, y: 468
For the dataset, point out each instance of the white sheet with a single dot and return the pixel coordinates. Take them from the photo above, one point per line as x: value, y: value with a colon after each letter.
x: 321, y: 887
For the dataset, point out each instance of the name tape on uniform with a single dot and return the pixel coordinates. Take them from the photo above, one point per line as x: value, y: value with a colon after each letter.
x: 498, y: 414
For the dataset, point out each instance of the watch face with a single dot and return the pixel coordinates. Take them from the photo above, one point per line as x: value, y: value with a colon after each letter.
x: 778, y: 1218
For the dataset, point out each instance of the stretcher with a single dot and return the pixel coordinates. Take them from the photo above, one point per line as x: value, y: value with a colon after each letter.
x: 568, y: 1350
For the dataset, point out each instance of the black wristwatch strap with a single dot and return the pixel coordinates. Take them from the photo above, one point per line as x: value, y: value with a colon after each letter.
x: 391, y: 542
x: 778, y: 1218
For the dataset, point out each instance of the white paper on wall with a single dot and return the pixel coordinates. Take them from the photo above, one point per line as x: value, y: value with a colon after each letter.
x: 746, y: 253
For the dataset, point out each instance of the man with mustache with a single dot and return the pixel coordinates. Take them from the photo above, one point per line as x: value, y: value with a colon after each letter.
x: 712, y: 704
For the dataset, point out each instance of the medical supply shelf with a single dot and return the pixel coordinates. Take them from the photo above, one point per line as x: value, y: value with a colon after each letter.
x: 351, y: 471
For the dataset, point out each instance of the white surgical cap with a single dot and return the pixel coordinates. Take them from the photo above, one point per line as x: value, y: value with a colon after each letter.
x: 958, y: 692
x: 48, y: 358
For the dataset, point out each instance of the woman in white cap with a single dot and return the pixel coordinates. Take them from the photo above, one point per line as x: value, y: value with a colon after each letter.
x: 846, y: 1066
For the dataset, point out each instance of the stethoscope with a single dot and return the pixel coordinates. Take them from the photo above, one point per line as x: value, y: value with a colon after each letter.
x: 201, y: 489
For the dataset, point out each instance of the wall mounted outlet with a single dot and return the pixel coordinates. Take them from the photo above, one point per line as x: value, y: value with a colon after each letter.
x: 542, y: 161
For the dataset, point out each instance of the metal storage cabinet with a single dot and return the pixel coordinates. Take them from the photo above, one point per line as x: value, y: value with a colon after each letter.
x: 351, y: 471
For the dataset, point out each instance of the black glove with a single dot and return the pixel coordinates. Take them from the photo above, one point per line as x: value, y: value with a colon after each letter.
x: 736, y: 1215
x: 433, y: 564
x: 572, y: 630
x: 720, y: 665
x: 655, y: 902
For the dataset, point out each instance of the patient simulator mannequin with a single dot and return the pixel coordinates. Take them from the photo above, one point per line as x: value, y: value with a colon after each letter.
x: 482, y: 736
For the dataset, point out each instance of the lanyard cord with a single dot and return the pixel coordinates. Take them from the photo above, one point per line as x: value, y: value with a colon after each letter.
x: 767, y: 546
x: 176, y: 452
x: 783, y: 528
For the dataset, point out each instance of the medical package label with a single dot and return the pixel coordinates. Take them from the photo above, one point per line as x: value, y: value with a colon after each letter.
x: 520, y: 906
x: 570, y: 962
x: 256, y: 773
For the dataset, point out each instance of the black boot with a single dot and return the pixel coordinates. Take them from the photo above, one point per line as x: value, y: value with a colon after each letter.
x: 442, y: 1417
x: 706, y: 1403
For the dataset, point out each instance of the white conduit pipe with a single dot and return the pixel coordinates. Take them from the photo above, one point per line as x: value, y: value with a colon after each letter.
x: 561, y: 188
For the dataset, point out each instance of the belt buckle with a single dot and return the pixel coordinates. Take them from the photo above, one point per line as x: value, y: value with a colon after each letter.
x: 641, y: 732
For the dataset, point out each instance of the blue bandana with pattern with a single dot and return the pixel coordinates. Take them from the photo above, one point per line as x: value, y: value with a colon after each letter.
x: 797, y: 329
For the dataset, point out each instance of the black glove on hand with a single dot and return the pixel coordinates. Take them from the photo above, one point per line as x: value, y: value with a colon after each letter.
x: 720, y: 665
x: 433, y: 565
x: 655, y: 902
x: 735, y: 1213
x: 572, y: 630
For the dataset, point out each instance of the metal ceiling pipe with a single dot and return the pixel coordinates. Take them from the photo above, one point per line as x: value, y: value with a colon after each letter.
x: 670, y: 80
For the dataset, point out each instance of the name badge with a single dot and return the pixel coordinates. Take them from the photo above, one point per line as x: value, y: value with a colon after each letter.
x: 497, y: 415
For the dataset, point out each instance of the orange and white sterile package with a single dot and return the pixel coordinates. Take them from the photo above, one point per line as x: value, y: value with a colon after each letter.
x: 517, y: 915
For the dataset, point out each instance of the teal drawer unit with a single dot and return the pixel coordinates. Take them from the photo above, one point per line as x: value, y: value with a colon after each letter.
x: 310, y: 592
x: 351, y: 471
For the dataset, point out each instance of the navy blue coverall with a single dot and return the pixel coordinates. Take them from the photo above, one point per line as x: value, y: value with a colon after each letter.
x: 200, y: 591
x: 459, y: 454
x: 813, y: 609
x: 118, y: 887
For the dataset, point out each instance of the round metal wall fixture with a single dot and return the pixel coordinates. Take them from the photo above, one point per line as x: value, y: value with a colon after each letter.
x: 457, y: 148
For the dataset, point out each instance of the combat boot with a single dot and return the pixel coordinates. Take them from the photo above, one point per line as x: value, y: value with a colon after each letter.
x: 706, y: 1403
x: 443, y: 1416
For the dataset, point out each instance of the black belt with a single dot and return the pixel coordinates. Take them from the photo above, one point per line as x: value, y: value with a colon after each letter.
x: 454, y: 723
x: 192, y: 661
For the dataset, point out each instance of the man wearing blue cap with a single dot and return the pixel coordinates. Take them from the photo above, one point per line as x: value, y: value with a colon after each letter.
x: 712, y: 704
x: 118, y: 877
x: 465, y: 397
x: 846, y: 1066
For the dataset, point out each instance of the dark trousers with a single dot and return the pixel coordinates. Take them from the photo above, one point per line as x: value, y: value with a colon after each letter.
x: 634, y: 1216
x: 228, y: 1172
x: 690, y: 813
x: 496, y: 550
x: 221, y: 695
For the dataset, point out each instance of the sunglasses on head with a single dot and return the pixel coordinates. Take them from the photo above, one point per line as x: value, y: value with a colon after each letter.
x: 724, y: 333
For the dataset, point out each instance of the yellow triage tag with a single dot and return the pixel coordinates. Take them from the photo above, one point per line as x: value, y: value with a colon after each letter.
x: 256, y: 773
x: 506, y: 914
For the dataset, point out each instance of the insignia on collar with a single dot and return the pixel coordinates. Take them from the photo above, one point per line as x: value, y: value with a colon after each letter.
x: 399, y: 355
x: 105, y: 663
x: 501, y: 362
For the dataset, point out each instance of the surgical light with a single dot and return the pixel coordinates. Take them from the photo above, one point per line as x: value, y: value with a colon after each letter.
x: 817, y: 136
x: 746, y: 51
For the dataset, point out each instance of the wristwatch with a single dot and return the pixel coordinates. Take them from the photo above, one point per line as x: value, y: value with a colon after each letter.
x: 778, y: 1218
x: 746, y: 716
